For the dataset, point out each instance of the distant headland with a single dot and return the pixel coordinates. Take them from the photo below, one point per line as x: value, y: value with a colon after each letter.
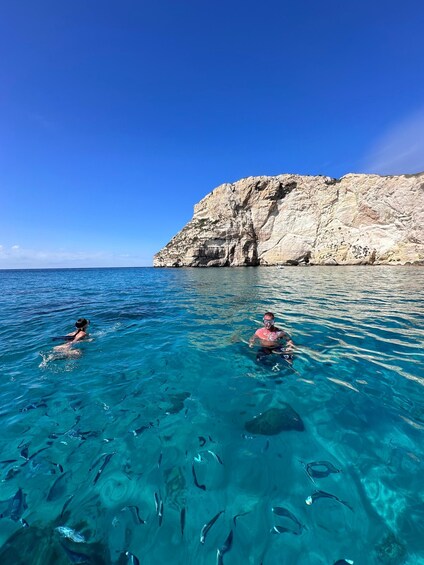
x: 359, y: 219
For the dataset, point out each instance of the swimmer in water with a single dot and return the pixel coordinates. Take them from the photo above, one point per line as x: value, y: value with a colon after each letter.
x: 80, y: 333
x: 270, y: 340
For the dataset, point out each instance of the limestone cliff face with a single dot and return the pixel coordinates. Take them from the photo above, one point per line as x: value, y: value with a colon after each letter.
x: 292, y: 219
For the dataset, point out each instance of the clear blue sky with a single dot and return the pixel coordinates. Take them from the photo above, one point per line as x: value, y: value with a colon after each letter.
x: 117, y: 117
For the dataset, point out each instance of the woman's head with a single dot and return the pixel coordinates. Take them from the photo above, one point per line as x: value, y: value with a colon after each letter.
x: 81, y: 323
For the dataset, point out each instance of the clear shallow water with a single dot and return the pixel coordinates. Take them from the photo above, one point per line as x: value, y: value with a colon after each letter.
x: 168, y: 378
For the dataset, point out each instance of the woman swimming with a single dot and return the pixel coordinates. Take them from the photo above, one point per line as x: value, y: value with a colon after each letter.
x: 79, y: 334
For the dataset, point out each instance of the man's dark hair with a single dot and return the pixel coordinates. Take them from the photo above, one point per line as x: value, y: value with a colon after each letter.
x: 269, y: 314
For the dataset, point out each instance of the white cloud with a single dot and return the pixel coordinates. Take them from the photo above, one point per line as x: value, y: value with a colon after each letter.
x: 400, y: 150
x: 17, y: 257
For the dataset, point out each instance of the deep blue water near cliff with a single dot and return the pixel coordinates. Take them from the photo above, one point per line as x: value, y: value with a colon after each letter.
x: 159, y: 400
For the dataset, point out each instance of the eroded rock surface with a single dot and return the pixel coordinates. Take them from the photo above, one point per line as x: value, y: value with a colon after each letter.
x: 293, y: 219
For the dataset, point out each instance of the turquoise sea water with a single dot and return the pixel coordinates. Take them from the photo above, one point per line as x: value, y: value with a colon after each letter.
x: 163, y: 399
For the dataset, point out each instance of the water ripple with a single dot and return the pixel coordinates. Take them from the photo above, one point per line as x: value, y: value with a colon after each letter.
x: 167, y: 384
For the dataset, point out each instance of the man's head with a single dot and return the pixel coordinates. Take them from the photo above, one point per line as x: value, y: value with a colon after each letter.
x: 269, y: 319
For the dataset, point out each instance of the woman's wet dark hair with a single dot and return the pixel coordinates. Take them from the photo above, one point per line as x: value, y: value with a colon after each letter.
x: 81, y: 322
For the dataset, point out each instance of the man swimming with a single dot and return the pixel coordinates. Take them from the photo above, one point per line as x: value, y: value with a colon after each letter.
x: 269, y: 337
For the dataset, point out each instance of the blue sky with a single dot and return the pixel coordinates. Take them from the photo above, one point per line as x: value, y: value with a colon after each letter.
x: 117, y: 117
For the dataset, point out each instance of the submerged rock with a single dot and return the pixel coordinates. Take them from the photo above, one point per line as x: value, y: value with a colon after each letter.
x: 175, y: 485
x: 274, y: 421
x: 391, y: 551
x: 177, y: 402
x: 38, y: 545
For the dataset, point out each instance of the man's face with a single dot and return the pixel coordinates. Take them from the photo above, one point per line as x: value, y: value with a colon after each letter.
x: 268, y: 321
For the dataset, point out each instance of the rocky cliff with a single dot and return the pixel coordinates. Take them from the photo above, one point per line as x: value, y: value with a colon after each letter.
x: 292, y: 219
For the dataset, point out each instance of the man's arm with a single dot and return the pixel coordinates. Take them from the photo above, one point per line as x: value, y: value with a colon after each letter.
x: 289, y: 341
x: 289, y: 345
x: 252, y: 340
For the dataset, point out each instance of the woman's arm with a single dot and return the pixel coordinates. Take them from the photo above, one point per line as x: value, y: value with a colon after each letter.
x: 79, y: 336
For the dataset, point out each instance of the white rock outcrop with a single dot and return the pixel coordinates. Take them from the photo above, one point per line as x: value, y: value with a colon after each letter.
x: 292, y: 219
